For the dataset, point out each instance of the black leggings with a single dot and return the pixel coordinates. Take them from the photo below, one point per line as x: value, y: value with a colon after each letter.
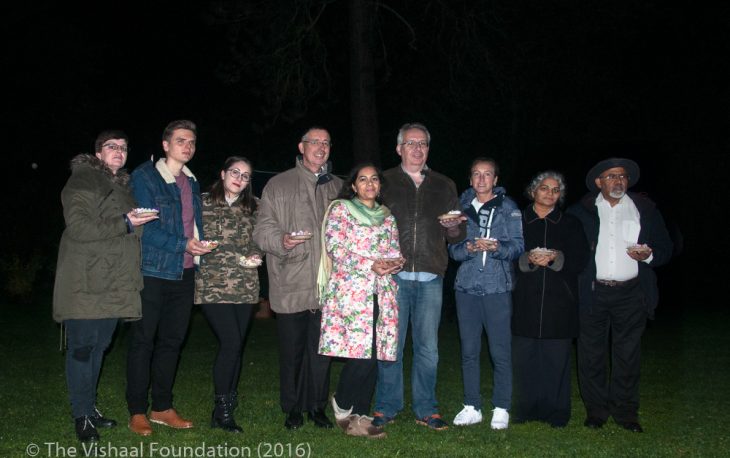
x: 358, y: 377
x: 229, y: 323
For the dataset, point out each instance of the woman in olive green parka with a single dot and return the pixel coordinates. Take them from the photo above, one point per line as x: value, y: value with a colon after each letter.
x: 98, y: 276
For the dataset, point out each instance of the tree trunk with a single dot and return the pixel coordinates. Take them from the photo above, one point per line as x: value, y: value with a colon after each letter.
x: 364, y: 111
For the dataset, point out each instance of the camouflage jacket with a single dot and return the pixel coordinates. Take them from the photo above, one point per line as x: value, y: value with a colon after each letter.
x: 221, y: 279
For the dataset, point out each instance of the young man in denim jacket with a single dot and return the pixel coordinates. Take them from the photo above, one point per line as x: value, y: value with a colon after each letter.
x: 169, y: 247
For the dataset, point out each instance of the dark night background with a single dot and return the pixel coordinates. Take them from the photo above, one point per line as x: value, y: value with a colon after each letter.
x: 549, y: 84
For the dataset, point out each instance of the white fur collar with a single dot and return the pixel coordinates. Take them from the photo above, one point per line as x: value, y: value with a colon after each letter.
x: 161, y: 167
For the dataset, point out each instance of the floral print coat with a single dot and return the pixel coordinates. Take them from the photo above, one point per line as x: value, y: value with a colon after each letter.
x: 347, y: 312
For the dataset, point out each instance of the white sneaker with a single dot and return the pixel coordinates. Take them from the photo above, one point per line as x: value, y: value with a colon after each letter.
x: 468, y: 416
x: 500, y: 418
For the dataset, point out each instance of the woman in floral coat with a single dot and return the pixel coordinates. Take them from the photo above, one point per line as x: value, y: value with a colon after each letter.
x: 359, y: 313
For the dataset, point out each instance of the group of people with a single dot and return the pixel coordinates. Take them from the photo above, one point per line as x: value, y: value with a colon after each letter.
x: 134, y: 249
x: 352, y: 266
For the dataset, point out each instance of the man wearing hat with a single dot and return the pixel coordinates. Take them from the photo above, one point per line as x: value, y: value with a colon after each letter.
x: 617, y: 290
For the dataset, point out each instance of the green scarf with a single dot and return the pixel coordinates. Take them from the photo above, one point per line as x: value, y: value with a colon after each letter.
x: 364, y: 215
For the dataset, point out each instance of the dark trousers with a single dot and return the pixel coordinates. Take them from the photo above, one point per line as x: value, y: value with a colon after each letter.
x: 229, y: 323
x: 358, y: 377
x: 87, y: 341
x: 304, y: 374
x: 542, y: 380
x: 616, y: 322
x: 156, y: 339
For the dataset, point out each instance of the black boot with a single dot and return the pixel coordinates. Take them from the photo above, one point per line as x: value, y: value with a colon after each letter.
x: 100, y: 421
x: 85, y: 429
x: 223, y: 413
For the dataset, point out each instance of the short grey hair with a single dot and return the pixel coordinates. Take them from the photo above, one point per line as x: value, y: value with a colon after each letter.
x: 537, y: 179
x: 306, y: 132
x: 413, y: 125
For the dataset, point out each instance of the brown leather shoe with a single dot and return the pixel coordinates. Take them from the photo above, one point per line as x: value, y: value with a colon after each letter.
x: 170, y: 418
x: 138, y: 424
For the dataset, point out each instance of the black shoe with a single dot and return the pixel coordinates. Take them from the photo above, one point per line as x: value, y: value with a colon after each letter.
x: 226, y: 424
x: 85, y: 429
x: 223, y: 414
x: 594, y: 422
x: 632, y: 426
x: 100, y: 421
x: 294, y: 420
x: 319, y: 419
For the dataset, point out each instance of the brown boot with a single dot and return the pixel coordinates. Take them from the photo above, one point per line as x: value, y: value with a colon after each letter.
x: 170, y: 418
x: 138, y: 424
x: 362, y: 426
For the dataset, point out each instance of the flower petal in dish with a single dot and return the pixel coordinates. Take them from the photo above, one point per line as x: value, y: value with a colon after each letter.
x: 210, y: 244
x: 450, y: 215
x: 300, y: 235
x: 638, y: 248
x: 540, y: 250
x: 392, y: 261
x: 250, y: 262
x: 142, y: 212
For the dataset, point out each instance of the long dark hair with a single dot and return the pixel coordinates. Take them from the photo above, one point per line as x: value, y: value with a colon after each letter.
x: 347, y: 192
x: 245, y: 200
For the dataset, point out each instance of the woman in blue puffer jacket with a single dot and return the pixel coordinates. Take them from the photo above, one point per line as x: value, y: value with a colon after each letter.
x: 483, y: 287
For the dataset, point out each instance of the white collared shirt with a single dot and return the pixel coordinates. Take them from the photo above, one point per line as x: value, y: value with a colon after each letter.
x: 619, y: 229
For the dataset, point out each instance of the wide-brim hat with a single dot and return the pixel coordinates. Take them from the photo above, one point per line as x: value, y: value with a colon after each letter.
x: 631, y: 167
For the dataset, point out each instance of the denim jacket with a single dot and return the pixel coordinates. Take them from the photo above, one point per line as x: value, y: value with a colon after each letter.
x: 163, y: 239
x: 493, y: 275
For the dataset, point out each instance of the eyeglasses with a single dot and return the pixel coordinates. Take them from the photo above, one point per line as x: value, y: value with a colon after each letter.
x: 235, y: 173
x: 615, y: 176
x: 546, y: 188
x: 115, y: 147
x: 324, y: 143
x: 415, y: 143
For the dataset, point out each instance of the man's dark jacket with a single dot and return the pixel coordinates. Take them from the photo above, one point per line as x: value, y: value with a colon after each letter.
x: 416, y: 210
x: 653, y: 233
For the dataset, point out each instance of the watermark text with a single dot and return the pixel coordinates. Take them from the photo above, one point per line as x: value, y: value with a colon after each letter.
x: 160, y: 450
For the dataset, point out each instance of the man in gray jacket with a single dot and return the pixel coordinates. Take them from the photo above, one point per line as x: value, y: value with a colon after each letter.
x: 289, y: 221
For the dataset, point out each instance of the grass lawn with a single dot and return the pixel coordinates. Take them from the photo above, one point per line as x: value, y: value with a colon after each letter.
x: 684, y: 400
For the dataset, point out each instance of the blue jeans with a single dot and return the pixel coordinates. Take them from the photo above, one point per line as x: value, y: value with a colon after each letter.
x: 87, y: 341
x: 492, y: 313
x: 420, y: 304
